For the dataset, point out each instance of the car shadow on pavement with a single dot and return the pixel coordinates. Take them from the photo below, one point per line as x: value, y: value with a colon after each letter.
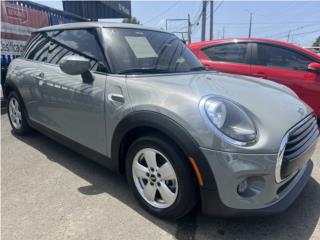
x: 298, y: 222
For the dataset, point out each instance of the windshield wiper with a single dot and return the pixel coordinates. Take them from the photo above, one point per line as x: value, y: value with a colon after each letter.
x: 200, y: 68
x: 142, y: 70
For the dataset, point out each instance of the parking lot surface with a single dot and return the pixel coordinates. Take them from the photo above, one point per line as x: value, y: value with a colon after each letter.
x: 50, y: 192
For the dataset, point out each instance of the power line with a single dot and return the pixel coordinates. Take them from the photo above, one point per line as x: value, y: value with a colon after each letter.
x: 196, y: 20
x: 313, y: 31
x: 265, y: 23
x: 218, y: 6
x: 162, y: 13
x: 298, y: 34
x: 261, y: 29
x: 209, y: 16
x: 290, y: 30
x: 199, y: 14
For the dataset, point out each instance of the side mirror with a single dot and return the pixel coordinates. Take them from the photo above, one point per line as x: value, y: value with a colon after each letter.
x: 314, y: 67
x: 75, y: 65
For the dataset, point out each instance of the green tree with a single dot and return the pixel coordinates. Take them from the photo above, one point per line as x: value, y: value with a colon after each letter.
x: 317, y: 42
x: 133, y: 20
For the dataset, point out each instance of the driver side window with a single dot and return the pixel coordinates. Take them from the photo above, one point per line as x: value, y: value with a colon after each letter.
x: 278, y: 57
x: 81, y: 42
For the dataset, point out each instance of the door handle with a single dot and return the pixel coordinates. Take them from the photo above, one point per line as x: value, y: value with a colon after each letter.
x: 40, y: 76
x: 113, y: 97
x: 260, y: 75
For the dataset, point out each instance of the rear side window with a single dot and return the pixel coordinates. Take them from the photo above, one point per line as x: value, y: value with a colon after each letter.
x: 231, y: 52
x: 37, y: 48
x: 278, y: 57
x: 52, y: 46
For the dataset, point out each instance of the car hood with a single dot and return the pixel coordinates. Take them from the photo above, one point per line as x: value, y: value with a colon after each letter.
x: 266, y: 100
x: 274, y: 108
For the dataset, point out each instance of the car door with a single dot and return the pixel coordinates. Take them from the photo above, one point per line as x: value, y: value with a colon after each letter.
x: 65, y: 103
x: 288, y: 67
x: 228, y: 57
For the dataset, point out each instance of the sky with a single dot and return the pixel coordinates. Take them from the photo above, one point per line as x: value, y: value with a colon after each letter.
x: 296, y: 21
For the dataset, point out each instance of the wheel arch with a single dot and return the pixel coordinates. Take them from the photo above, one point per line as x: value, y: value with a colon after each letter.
x: 9, y: 87
x: 143, y: 122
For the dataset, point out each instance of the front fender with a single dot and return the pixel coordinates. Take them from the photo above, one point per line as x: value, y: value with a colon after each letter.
x: 171, y: 129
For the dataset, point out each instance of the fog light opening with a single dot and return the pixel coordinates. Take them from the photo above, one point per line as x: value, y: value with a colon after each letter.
x: 242, y: 187
x: 250, y: 186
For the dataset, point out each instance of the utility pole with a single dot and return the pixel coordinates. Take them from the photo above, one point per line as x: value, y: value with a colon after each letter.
x: 204, y: 18
x: 166, y: 25
x: 211, y: 18
x: 223, y: 33
x: 288, y: 39
x: 250, y: 24
x: 189, y: 29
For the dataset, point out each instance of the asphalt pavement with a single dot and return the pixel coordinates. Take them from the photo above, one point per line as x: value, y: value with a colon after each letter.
x: 49, y: 192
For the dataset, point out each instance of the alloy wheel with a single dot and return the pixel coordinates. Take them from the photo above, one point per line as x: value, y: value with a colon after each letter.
x: 155, y: 178
x: 15, y: 113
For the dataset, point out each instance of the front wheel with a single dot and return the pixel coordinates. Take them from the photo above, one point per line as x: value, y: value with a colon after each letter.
x: 17, y: 115
x: 160, y: 177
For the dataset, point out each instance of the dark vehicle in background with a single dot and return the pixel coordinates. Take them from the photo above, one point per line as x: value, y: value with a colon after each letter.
x: 284, y: 63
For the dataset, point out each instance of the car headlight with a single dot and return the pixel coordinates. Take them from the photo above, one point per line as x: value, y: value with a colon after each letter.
x: 228, y: 120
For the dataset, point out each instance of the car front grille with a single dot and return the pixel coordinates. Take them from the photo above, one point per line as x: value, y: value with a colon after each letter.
x: 299, y: 141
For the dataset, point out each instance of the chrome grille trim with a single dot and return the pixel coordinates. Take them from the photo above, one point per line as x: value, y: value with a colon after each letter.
x: 280, y: 158
x: 301, y: 136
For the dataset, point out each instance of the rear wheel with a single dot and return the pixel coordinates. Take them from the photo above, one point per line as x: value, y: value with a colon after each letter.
x: 160, y: 177
x: 16, y: 114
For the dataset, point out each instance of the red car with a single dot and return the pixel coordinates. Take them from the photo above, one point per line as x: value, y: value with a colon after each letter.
x: 282, y: 62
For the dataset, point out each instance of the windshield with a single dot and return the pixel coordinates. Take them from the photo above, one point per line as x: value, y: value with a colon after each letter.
x: 134, y: 51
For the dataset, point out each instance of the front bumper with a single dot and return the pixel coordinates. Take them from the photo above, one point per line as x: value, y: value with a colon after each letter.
x: 264, y: 196
x: 212, y: 204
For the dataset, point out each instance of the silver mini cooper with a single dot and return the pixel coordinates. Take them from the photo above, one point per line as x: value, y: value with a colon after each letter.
x: 138, y: 101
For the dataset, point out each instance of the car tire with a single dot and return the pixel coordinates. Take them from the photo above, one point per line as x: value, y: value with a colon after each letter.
x: 170, y: 195
x: 17, y: 114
